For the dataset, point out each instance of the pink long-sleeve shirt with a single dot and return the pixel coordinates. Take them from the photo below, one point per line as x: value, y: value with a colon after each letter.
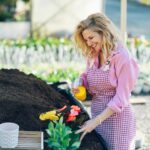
x: 123, y: 73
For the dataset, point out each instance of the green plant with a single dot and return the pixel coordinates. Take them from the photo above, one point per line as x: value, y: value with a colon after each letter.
x: 61, y: 137
x: 61, y: 75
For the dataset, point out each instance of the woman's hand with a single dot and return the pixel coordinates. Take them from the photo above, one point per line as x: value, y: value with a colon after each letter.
x: 88, y: 126
x: 75, y: 84
x: 74, y: 91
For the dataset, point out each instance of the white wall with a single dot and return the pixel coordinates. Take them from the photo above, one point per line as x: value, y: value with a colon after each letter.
x: 57, y: 15
x: 50, y: 16
x: 13, y: 30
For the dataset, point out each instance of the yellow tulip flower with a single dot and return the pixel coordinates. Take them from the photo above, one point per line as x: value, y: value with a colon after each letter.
x: 50, y: 115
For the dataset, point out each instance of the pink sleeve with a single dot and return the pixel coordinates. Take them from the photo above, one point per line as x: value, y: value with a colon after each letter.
x: 126, y: 72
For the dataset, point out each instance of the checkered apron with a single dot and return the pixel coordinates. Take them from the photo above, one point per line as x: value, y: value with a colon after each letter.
x: 118, y: 130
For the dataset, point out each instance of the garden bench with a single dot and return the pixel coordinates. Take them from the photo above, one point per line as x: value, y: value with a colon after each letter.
x: 29, y: 140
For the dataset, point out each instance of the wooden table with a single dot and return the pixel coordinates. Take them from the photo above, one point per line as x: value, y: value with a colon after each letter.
x: 29, y: 140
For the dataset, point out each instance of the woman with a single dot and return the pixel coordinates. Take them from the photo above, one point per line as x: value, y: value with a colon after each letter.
x: 110, y: 77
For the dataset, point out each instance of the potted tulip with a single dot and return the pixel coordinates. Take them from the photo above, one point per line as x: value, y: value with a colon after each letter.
x: 61, y: 135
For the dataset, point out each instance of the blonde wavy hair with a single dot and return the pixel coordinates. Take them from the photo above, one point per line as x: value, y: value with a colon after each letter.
x: 97, y: 22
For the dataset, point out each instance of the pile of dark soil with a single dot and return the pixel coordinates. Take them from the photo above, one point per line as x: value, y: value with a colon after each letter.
x: 23, y: 97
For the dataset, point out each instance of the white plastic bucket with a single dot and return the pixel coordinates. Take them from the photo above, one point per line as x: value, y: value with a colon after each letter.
x: 9, y: 133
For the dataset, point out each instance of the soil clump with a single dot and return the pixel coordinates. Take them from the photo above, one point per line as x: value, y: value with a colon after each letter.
x: 24, y: 97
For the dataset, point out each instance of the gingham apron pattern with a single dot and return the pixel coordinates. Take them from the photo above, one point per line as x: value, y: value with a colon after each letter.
x: 118, y: 130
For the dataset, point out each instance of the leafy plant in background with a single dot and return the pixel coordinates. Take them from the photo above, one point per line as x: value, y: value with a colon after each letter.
x: 58, y: 75
x: 29, y: 42
x: 36, y: 50
x: 62, y: 136
x: 28, y: 54
x: 139, y: 47
x: 62, y: 75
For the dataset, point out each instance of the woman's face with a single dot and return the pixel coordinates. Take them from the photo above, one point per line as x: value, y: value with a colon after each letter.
x: 92, y: 39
